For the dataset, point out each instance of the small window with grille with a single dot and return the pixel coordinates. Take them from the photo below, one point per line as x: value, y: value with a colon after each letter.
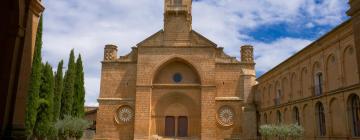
x: 177, y: 2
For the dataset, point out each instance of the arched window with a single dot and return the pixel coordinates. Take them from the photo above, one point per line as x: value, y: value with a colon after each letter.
x: 265, y: 118
x: 279, y: 117
x: 354, y: 114
x: 318, y: 84
x: 320, y: 118
x: 296, y: 116
x: 270, y: 93
x: 278, y: 94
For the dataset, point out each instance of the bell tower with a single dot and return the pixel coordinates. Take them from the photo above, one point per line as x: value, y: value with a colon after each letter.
x: 177, y: 22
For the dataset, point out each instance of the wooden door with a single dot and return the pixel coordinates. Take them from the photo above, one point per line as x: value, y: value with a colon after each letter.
x: 182, y: 126
x: 170, y: 126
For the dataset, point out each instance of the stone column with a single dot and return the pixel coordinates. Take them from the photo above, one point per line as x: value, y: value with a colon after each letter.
x: 354, y: 12
x: 249, y: 125
x: 142, y: 113
x: 27, y: 52
x: 208, y: 113
x: 249, y: 77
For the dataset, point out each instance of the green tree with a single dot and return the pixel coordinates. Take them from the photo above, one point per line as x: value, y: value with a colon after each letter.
x: 58, y: 90
x: 44, y: 120
x: 68, y: 91
x: 34, y: 85
x: 79, y: 92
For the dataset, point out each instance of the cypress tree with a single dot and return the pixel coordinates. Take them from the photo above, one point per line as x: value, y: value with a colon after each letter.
x: 35, y: 82
x: 79, y: 92
x: 68, y: 91
x: 58, y: 89
x: 44, y: 120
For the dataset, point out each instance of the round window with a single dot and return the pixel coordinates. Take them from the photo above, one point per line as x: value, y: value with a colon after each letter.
x: 177, y: 77
x: 225, y: 116
x: 125, y: 114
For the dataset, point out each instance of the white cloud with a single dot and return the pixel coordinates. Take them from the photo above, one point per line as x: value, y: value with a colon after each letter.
x: 88, y: 25
x: 267, y: 55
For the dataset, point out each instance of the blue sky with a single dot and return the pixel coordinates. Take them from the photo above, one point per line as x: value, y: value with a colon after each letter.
x: 276, y: 28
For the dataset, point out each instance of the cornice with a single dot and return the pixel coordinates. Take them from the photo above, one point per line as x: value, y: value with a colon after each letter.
x: 228, y: 99
x: 36, y: 7
x: 311, y: 98
x: 355, y: 8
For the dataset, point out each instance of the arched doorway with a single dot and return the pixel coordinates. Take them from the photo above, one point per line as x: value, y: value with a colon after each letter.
x: 175, y: 100
x: 176, y: 115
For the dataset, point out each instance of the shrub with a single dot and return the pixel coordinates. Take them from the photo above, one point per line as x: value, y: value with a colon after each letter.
x: 282, y: 131
x: 71, y: 127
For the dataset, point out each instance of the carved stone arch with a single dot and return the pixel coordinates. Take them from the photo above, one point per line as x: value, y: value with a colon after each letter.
x: 265, y: 118
x: 177, y: 104
x: 294, y: 85
x: 285, y: 89
x: 279, y: 116
x: 317, y: 79
x: 343, y: 54
x: 307, y: 119
x: 316, y: 68
x: 179, y: 60
x: 295, y: 114
x: 332, y: 72
x: 336, y: 107
x: 286, y: 115
x: 270, y: 91
x: 321, y: 118
x: 304, y: 78
x: 264, y: 95
x: 278, y: 90
x: 350, y: 65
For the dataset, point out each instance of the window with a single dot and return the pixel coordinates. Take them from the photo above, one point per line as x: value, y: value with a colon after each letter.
x: 320, y: 118
x: 177, y: 77
x: 279, y: 117
x: 177, y: 2
x: 296, y: 115
x: 354, y: 111
x: 265, y: 118
x: 277, y: 98
x: 318, y: 84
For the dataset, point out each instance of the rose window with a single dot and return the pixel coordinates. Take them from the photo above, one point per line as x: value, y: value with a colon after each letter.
x: 125, y: 114
x: 226, y: 116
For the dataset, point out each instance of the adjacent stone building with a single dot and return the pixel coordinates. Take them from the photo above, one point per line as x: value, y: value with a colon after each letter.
x: 317, y: 87
x: 176, y: 83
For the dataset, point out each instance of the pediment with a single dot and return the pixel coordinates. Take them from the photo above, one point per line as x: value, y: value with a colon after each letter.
x: 156, y: 39
x: 195, y: 40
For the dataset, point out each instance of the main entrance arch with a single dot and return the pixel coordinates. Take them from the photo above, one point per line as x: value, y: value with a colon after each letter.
x: 176, y: 115
x: 175, y: 101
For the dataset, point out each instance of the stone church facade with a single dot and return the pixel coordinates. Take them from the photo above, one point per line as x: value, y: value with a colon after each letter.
x: 177, y: 84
